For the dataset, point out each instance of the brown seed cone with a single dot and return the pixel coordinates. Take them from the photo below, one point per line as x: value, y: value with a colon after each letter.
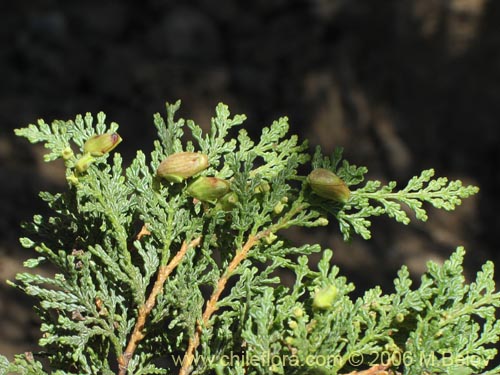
x: 179, y: 166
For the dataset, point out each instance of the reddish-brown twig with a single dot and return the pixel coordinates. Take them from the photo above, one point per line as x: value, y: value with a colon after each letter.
x: 145, y: 310
x: 211, y: 306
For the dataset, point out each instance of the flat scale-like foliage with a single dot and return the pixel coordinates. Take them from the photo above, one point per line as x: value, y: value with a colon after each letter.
x: 162, y: 276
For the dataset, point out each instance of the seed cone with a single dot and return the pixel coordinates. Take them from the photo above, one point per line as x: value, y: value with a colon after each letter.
x: 264, y: 187
x: 208, y: 189
x: 179, y: 166
x: 100, y: 144
x: 228, y: 201
x: 323, y: 299
x: 328, y: 185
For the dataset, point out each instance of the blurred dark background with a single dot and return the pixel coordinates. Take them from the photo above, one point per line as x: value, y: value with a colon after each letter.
x: 403, y: 85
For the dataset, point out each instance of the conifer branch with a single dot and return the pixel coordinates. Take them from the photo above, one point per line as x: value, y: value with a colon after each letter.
x: 145, y: 310
x: 212, y: 303
x: 240, y: 256
x: 249, y: 191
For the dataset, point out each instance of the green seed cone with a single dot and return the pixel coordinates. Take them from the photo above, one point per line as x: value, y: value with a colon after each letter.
x: 67, y: 153
x: 208, y: 189
x: 228, y: 201
x: 298, y: 312
x: 278, y: 208
x: 328, y: 185
x: 264, y: 187
x: 100, y: 144
x: 179, y: 166
x: 324, y: 298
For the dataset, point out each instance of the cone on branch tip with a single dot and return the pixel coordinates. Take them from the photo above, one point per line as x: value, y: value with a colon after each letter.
x: 101, y: 144
x: 328, y: 185
x: 324, y: 298
x: 228, y: 201
x: 182, y: 165
x: 208, y: 189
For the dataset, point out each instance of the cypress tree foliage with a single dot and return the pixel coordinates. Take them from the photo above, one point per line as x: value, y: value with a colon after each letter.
x: 171, y: 275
